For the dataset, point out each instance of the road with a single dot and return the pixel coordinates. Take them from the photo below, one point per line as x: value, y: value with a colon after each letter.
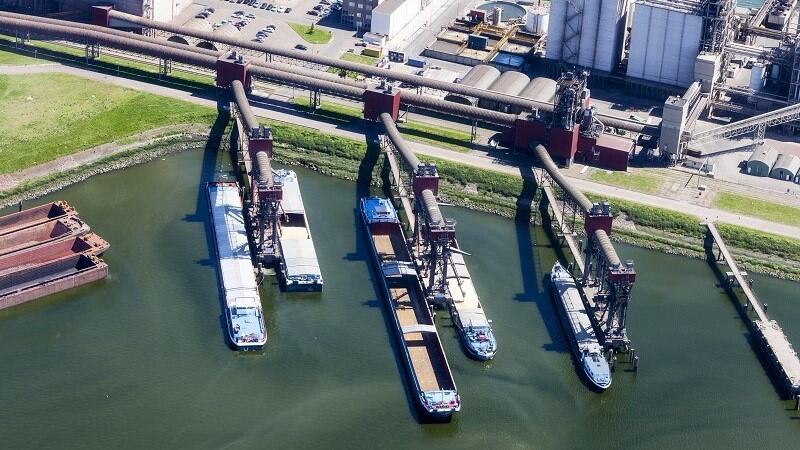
x: 279, y: 110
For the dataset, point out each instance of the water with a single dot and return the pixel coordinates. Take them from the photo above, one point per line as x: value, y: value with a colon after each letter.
x: 139, y: 360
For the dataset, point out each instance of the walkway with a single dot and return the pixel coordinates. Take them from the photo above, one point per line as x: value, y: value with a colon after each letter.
x: 475, y: 158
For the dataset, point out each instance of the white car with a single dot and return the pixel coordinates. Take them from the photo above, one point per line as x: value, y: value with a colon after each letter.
x: 280, y: 9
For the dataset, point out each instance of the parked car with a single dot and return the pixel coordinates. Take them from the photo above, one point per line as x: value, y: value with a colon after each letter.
x: 301, y: 47
x: 270, y: 7
x: 256, y: 4
x: 280, y: 9
x: 318, y: 8
x: 313, y: 12
x: 264, y: 5
x: 211, y: 10
x: 324, y: 2
x: 288, y: 10
x: 250, y: 16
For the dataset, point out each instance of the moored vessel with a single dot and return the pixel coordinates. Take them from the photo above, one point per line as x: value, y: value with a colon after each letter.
x: 242, y: 304
x: 432, y: 382
x: 578, y: 327
x: 474, y: 329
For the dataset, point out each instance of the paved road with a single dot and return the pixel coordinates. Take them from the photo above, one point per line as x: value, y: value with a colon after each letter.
x: 277, y: 110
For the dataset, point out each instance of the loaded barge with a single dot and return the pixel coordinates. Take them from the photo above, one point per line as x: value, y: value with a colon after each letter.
x: 299, y: 266
x: 244, y: 315
x: 578, y: 327
x: 474, y: 329
x: 431, y: 379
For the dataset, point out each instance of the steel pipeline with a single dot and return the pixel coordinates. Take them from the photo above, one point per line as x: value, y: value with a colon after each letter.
x: 399, y: 143
x: 524, y: 103
x: 243, y: 105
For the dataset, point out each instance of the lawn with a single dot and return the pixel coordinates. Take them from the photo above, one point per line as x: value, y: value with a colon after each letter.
x: 63, y: 53
x: 443, y: 137
x: 352, y: 57
x: 39, y: 123
x: 626, y: 180
x: 13, y: 59
x: 317, y: 36
x: 748, y: 206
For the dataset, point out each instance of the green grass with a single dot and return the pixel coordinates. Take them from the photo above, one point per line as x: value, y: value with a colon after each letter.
x: 775, y: 212
x: 39, y: 123
x: 317, y: 36
x: 13, y: 59
x: 352, y: 57
x: 57, y: 52
x: 626, y: 180
x: 443, y: 137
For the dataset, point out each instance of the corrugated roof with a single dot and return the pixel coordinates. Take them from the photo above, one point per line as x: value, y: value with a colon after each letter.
x: 540, y: 89
x: 481, y: 76
x: 766, y: 156
x: 511, y: 83
x: 787, y: 162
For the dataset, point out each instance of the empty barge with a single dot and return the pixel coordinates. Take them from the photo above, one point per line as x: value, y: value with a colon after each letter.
x: 474, y: 329
x: 431, y: 379
x: 299, y: 266
x: 34, y: 216
x: 244, y: 315
x: 41, y: 233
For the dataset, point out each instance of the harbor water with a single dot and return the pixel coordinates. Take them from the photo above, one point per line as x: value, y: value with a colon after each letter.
x: 139, y: 360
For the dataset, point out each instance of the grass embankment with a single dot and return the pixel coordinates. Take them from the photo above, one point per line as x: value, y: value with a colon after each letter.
x: 43, y: 52
x: 46, y: 116
x: 748, y: 206
x: 314, y: 35
x: 444, y: 137
x: 626, y: 180
x: 352, y: 57
x: 14, y: 59
x: 495, y: 192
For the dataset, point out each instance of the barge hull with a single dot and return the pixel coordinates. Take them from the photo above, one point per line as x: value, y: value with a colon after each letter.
x: 34, y: 216
x: 42, y: 233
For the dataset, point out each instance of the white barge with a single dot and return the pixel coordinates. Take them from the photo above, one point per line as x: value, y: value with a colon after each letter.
x: 243, y: 311
x: 474, y: 329
x: 299, y: 266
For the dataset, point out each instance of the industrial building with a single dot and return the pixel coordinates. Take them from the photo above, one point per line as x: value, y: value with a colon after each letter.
x: 761, y: 162
x: 358, y: 13
x: 161, y: 10
x: 786, y: 167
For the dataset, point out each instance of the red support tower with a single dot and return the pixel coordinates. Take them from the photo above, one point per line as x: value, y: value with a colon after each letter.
x: 233, y: 66
x: 260, y: 140
x: 100, y: 15
x: 527, y: 130
x: 598, y: 218
x: 381, y: 99
x: 426, y: 177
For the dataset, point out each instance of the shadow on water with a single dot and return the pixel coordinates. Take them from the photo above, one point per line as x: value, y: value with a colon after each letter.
x: 711, y: 258
x: 528, y: 267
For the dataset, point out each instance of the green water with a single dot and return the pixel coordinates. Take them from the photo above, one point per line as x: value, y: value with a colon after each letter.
x: 139, y: 360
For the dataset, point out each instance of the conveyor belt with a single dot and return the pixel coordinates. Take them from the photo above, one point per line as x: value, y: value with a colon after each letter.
x: 243, y: 105
x: 398, y: 142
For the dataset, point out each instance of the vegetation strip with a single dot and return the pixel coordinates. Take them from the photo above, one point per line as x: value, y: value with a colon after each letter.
x: 311, y: 33
x: 775, y: 212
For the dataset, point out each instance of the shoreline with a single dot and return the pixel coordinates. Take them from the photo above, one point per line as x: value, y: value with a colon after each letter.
x: 502, y: 200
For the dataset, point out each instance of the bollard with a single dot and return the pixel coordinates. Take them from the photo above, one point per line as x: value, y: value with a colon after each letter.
x: 766, y: 307
x: 635, y: 363
x: 613, y: 363
x: 631, y: 354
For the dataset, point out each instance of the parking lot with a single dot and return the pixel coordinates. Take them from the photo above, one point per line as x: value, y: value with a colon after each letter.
x: 259, y: 18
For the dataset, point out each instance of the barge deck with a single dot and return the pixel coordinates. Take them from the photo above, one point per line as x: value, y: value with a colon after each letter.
x: 474, y: 328
x: 425, y: 360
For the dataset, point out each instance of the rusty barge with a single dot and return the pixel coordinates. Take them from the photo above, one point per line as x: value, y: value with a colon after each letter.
x: 44, y: 250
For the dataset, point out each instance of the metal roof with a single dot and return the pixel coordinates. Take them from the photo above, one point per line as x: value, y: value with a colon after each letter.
x: 540, y: 89
x: 766, y: 156
x: 787, y: 162
x: 480, y: 77
x: 510, y: 82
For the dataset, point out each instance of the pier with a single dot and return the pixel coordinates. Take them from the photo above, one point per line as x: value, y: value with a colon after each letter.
x: 770, y: 338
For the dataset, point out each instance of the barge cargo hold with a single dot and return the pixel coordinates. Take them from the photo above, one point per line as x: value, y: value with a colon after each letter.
x: 474, y: 329
x: 89, y: 243
x: 432, y: 381
x: 34, y: 216
x: 583, y: 341
x: 42, y: 233
x: 243, y: 312
x: 299, y: 264
x: 27, y: 283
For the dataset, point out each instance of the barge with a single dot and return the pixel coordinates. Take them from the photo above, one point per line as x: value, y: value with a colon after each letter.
x: 244, y: 315
x: 42, y: 233
x: 299, y: 266
x: 474, y: 329
x: 578, y: 327
x: 34, y: 216
x: 432, y: 382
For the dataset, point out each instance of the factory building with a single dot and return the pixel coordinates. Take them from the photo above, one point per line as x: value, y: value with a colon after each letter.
x: 786, y: 167
x: 161, y: 10
x: 391, y: 16
x: 665, y: 41
x: 761, y: 162
x: 358, y: 13
x: 480, y: 77
x: 509, y: 83
x: 588, y: 33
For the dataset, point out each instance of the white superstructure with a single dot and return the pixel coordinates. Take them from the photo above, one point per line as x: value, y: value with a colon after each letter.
x: 244, y: 314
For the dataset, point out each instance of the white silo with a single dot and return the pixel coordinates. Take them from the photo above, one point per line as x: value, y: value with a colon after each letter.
x: 537, y: 20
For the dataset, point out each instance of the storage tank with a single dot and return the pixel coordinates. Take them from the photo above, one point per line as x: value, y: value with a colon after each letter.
x: 537, y: 20
x: 757, y: 76
x: 665, y: 42
x: 497, y: 16
x: 598, y: 44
